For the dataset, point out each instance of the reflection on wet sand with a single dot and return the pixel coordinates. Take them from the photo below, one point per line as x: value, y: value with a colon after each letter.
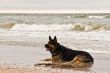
x: 65, y: 65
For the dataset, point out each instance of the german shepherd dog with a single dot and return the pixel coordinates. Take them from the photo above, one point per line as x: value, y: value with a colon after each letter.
x: 64, y: 55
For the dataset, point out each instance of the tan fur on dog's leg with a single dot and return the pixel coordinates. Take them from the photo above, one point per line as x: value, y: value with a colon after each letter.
x: 49, y: 59
x: 78, y: 61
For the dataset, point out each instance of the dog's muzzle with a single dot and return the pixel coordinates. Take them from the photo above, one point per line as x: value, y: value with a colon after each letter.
x: 48, y: 47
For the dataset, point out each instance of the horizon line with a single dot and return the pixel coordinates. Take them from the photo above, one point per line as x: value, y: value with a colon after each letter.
x: 54, y: 11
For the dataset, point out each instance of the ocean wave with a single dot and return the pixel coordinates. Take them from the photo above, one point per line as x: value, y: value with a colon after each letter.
x: 7, y: 25
x: 41, y: 27
x: 57, y: 27
x: 90, y: 27
x: 108, y: 16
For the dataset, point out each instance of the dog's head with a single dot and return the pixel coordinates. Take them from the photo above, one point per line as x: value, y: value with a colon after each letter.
x: 52, y: 45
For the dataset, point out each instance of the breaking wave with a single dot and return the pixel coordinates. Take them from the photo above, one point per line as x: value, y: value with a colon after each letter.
x: 56, y: 27
x: 41, y: 27
x: 7, y: 25
x: 90, y: 27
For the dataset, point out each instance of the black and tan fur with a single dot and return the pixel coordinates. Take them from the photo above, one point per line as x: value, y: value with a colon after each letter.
x: 64, y: 55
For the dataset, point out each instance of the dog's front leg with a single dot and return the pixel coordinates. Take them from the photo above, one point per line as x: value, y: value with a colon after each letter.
x: 49, y: 59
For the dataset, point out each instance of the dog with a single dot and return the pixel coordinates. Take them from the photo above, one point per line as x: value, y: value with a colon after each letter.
x: 62, y: 54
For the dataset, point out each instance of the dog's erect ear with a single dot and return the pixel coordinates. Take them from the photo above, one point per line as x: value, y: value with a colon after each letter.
x: 50, y: 39
x: 55, y: 39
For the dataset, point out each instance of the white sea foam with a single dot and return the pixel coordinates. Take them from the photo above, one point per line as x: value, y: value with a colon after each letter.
x: 59, y: 27
x: 41, y: 27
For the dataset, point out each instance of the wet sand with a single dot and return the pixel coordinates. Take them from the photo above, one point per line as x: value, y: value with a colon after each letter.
x: 18, y: 59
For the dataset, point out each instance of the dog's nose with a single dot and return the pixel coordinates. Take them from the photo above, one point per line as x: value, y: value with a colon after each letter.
x: 46, y: 45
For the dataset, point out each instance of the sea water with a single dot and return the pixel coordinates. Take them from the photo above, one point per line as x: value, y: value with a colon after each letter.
x: 31, y: 29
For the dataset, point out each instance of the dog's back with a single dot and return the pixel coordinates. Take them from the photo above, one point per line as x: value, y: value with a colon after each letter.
x: 69, y: 54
